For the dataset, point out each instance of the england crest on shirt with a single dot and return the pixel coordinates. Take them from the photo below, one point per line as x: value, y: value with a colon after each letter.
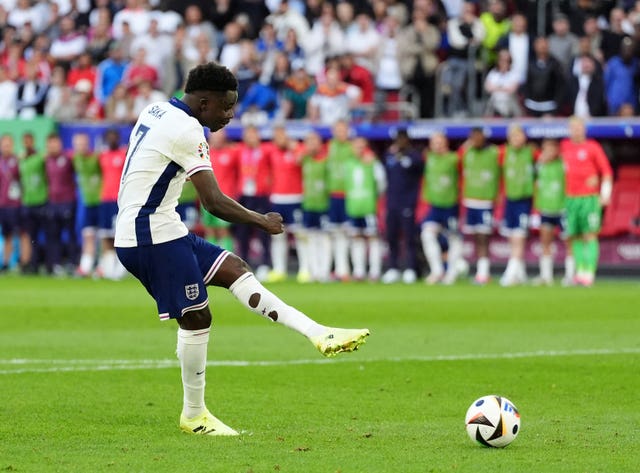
x: 192, y: 291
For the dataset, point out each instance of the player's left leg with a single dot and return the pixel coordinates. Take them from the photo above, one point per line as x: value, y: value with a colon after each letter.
x: 234, y: 274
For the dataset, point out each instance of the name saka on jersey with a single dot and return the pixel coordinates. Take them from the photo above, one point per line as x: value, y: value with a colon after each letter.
x: 166, y: 146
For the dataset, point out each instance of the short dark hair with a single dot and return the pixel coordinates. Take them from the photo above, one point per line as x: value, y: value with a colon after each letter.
x: 211, y: 76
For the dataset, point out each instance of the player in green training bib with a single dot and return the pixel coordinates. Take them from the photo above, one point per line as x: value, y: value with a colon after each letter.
x: 441, y: 191
x: 517, y: 172
x: 481, y: 177
x: 365, y: 181
x: 33, y: 181
x: 89, y: 176
x: 315, y: 207
x: 549, y: 200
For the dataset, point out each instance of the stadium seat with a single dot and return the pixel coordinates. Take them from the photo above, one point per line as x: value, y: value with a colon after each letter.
x: 630, y: 172
x: 624, y: 209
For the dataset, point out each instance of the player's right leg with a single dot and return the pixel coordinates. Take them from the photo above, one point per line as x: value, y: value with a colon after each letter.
x: 234, y: 274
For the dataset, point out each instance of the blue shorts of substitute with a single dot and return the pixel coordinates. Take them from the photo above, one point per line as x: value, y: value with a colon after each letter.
x: 445, y: 217
x: 367, y: 226
x: 479, y: 220
x: 337, y: 211
x: 175, y: 273
x: 188, y: 214
x: 107, y: 219
x: 90, y: 216
x: 516, y: 216
x: 291, y: 213
x: 10, y: 220
x: 315, y: 220
x: 552, y: 220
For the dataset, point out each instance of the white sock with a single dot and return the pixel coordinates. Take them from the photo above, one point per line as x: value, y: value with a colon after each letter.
x: 522, y: 270
x: 324, y: 255
x: 302, y: 251
x: 192, y: 353
x: 279, y: 248
x: 454, y: 254
x: 341, y: 253
x: 261, y: 301
x: 511, y: 270
x: 359, y: 257
x: 375, y: 258
x: 484, y: 267
x: 107, y: 263
x: 569, y: 267
x: 86, y: 263
x: 546, y: 267
x: 432, y: 251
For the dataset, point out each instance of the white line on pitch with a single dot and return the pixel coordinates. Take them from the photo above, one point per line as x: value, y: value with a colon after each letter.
x: 23, y: 365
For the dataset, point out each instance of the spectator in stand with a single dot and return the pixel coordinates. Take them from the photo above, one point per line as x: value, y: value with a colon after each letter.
x: 195, y: 28
x: 134, y: 14
x: 286, y: 18
x: 14, y: 60
x: 83, y: 105
x: 502, y: 84
x: 69, y: 45
x: 496, y: 24
x: 345, y: 15
x: 365, y: 182
x: 8, y: 95
x: 146, y: 96
x: 23, y: 14
x: 159, y: 47
x: 58, y: 96
x: 589, y: 182
x: 111, y: 164
x: 286, y: 199
x: 518, y: 176
x: 592, y: 32
x: 544, y: 88
x: 587, y: 91
x: 291, y: 46
x: 33, y: 184
x: 441, y: 191
x: 83, y: 69
x: 563, y: 44
x: 224, y: 159
x: 61, y: 209
x: 119, y: 105
x: 298, y: 89
x: 280, y: 73
x: 613, y: 35
x: 481, y: 179
x: 315, y: 240
x: 255, y: 187
x: 9, y: 200
x: 621, y: 77
x: 549, y: 200
x: 110, y: 72
x: 139, y: 71
x: 403, y: 165
x: 333, y: 100
x: 231, y: 50
x: 518, y: 42
x: 363, y: 41
x: 584, y: 49
x: 463, y: 32
x: 32, y: 93
x: 325, y: 40
x: 99, y: 37
x: 413, y: 54
x: 354, y: 74
x: 203, y: 50
x: 87, y: 168
x: 267, y: 47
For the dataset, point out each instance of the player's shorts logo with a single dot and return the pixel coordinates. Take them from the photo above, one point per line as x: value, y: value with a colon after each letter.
x: 192, y: 291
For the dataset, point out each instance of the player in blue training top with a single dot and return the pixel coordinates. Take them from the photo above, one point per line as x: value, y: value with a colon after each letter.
x: 167, y: 146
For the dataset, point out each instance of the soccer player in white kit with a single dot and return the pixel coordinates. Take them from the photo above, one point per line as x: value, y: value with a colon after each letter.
x: 167, y: 146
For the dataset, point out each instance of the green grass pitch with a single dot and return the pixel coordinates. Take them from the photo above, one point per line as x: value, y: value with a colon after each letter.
x: 89, y: 381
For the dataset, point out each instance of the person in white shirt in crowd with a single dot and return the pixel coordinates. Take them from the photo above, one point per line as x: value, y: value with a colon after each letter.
x: 22, y: 13
x: 231, y: 50
x: 160, y: 54
x: 388, y: 77
x: 587, y: 90
x: 363, y: 41
x: 8, y: 92
x: 31, y: 95
x: 285, y: 18
x: 333, y: 100
x: 518, y: 42
x: 136, y: 15
x: 325, y: 40
x: 70, y: 44
x: 146, y: 96
x: 195, y: 26
x: 502, y: 85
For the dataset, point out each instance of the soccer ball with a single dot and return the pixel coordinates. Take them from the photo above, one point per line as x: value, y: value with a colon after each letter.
x: 493, y: 421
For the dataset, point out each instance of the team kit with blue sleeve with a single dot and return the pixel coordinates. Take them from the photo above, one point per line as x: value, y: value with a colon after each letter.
x: 167, y: 146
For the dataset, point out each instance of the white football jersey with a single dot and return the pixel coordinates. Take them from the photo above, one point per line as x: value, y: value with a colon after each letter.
x: 166, y: 146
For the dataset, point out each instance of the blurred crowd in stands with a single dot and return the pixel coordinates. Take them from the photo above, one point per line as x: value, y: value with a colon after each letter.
x: 323, y: 60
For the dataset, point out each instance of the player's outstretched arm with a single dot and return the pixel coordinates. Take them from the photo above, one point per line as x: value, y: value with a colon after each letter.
x: 220, y: 205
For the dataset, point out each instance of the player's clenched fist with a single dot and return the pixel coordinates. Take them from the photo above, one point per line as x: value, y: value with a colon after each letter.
x: 273, y: 223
